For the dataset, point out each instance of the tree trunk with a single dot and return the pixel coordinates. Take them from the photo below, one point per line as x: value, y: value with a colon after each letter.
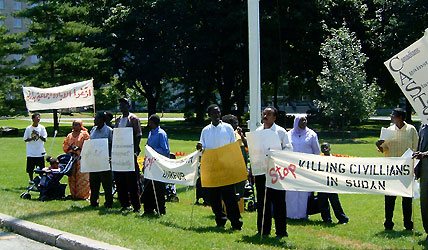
x: 151, y: 105
x: 55, y: 119
x: 408, y: 112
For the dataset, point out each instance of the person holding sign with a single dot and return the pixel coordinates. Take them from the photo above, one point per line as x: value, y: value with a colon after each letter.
x: 406, y: 137
x: 35, y: 136
x: 213, y: 136
x: 127, y: 182
x: 304, y: 140
x: 269, y: 198
x: 158, y: 141
x: 99, y: 131
x: 422, y: 173
x: 78, y: 182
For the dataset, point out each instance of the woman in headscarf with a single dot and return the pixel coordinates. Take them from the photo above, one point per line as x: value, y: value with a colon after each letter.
x: 78, y: 182
x: 304, y: 140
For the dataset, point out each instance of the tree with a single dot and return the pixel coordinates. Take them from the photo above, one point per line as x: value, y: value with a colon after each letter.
x: 347, y: 98
x: 10, y: 92
x: 58, y: 36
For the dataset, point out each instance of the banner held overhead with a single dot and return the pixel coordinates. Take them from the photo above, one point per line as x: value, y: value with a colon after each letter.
x: 73, y: 95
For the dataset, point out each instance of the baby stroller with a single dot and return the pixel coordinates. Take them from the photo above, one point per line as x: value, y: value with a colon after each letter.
x: 48, y: 182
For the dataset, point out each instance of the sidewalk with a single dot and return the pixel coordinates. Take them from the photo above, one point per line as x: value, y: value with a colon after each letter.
x: 52, y: 236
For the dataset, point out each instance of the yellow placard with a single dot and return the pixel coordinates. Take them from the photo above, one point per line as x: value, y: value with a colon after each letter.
x: 223, y: 166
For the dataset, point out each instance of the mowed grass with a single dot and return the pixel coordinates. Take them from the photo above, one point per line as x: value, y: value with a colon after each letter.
x: 186, y: 226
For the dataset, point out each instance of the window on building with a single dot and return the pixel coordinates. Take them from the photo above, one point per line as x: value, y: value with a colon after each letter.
x: 1, y: 4
x: 17, y: 23
x: 34, y: 59
x: 17, y: 57
x: 17, y: 5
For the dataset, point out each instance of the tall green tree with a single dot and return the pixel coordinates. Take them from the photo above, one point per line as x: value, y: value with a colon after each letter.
x: 343, y: 76
x: 58, y: 36
x: 10, y: 93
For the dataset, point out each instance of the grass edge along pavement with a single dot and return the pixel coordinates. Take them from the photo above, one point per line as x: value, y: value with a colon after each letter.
x: 173, y: 231
x: 52, y: 236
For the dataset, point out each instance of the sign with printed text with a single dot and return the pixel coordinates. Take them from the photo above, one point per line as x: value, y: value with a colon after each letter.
x: 122, y: 152
x: 259, y: 144
x: 223, y: 166
x: 410, y: 71
x: 308, y: 172
x: 94, y: 156
x: 77, y: 94
x: 181, y: 171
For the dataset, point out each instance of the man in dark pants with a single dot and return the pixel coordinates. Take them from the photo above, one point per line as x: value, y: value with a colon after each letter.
x: 274, y: 198
x: 323, y: 199
x: 158, y: 140
x: 99, y: 131
x: 216, y: 135
x: 128, y: 182
x: 406, y: 137
x: 422, y: 172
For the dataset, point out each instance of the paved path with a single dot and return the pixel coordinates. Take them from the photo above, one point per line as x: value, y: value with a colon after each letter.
x: 52, y: 236
x: 12, y: 241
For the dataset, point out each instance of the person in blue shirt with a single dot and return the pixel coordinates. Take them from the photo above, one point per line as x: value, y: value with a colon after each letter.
x: 158, y: 140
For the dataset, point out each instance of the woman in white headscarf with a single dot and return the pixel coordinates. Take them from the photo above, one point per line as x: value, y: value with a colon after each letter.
x: 304, y: 140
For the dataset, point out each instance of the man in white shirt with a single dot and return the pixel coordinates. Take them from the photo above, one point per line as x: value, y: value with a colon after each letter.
x: 35, y: 136
x: 216, y: 135
x: 275, y: 198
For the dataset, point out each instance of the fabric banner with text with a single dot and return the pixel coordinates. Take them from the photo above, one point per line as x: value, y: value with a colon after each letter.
x: 410, y: 71
x: 181, y: 171
x: 77, y: 94
x: 308, y: 172
x: 94, y: 156
x: 122, y: 152
x: 223, y: 166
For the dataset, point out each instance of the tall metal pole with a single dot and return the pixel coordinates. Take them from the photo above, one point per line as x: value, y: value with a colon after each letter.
x: 254, y: 63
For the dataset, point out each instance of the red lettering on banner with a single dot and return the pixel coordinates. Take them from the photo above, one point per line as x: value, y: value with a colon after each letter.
x: 278, y: 172
x: 148, y: 162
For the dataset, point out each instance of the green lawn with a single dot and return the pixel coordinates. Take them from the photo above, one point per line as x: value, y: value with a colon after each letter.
x: 179, y: 230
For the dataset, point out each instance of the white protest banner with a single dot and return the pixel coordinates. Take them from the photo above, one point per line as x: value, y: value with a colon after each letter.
x: 308, y: 172
x: 94, y: 156
x: 259, y: 144
x: 410, y: 70
x: 181, y: 171
x: 77, y: 94
x: 122, y: 152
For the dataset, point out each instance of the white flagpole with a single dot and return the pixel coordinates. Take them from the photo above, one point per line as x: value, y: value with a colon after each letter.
x: 254, y: 63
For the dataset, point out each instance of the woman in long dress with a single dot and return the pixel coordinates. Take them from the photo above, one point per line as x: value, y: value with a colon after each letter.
x: 78, y: 182
x: 304, y: 140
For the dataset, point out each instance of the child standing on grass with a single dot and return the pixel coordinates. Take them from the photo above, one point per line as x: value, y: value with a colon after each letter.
x: 35, y: 136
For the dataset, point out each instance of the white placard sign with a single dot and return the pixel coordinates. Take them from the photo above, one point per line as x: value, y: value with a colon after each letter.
x: 122, y: 153
x: 308, y: 172
x: 181, y: 171
x: 77, y: 94
x: 387, y: 134
x: 259, y: 144
x: 410, y: 71
x: 94, y: 156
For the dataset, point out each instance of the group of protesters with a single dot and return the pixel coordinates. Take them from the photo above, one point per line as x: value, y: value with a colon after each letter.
x: 279, y: 204
x: 87, y: 185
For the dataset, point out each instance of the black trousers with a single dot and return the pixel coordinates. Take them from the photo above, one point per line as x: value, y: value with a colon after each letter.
x: 275, y: 199
x: 406, y: 203
x: 149, y: 196
x: 104, y: 178
x: 228, y: 195
x: 323, y: 199
x: 127, y: 188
